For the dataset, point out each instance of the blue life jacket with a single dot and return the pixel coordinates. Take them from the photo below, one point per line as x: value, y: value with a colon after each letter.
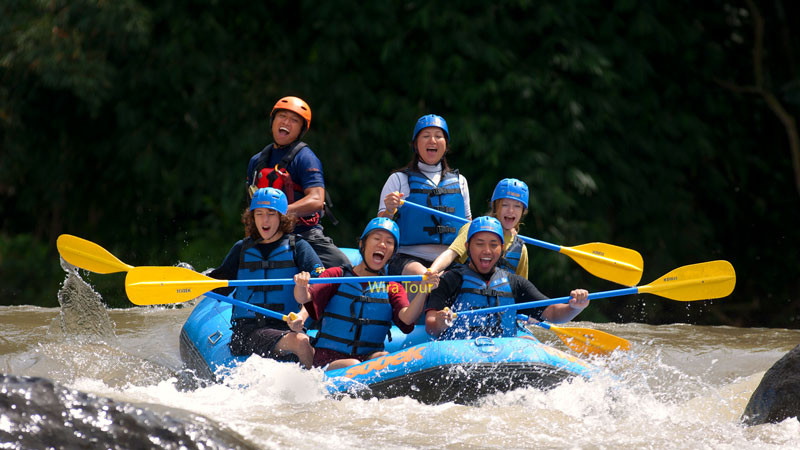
x: 476, y: 294
x: 253, y: 266
x: 510, y: 259
x: 356, y: 321
x: 418, y: 227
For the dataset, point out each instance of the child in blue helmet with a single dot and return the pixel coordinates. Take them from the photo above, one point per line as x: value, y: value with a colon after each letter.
x: 269, y: 250
x: 356, y: 317
x: 482, y: 284
x: 427, y: 180
x: 509, y: 205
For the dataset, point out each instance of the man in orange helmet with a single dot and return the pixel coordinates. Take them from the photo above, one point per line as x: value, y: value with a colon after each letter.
x: 290, y: 165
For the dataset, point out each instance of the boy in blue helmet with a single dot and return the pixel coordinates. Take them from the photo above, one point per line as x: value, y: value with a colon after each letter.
x: 509, y: 205
x: 356, y: 317
x: 269, y: 250
x: 482, y: 284
x: 429, y: 181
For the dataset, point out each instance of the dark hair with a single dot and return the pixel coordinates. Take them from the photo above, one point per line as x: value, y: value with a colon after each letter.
x: 494, y: 207
x: 286, y: 226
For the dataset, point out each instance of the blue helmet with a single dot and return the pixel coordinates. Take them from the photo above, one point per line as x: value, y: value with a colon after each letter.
x: 511, y: 188
x: 270, y: 198
x: 383, y: 223
x: 430, y: 120
x: 485, y: 223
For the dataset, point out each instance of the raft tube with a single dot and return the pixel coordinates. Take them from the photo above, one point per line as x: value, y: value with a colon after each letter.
x: 461, y: 371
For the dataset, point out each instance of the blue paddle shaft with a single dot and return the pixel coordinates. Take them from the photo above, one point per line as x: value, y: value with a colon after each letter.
x: 327, y: 280
x: 552, y: 301
x: 524, y: 318
x: 527, y: 240
x: 254, y: 308
x: 538, y: 243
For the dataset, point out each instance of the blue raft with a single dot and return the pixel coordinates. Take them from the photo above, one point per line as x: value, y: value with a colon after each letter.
x: 429, y: 371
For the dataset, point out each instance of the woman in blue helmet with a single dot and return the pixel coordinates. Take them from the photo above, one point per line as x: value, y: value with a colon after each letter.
x: 269, y: 250
x: 356, y: 317
x: 482, y: 284
x: 509, y: 205
x: 427, y: 180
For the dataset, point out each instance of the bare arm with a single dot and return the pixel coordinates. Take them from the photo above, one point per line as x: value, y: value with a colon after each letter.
x: 391, y: 202
x: 443, y: 261
x: 436, y: 322
x: 410, y: 313
x: 296, y: 325
x: 564, y: 312
x: 302, y: 294
x: 313, y: 201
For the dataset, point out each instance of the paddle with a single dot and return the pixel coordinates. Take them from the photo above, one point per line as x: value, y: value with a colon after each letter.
x: 703, y: 281
x: 254, y: 308
x: 152, y: 285
x: 609, y: 262
x: 585, y: 340
x: 88, y: 255
x: 94, y: 258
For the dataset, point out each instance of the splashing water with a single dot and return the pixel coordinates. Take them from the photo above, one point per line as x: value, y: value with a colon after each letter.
x: 681, y: 386
x: 82, y: 311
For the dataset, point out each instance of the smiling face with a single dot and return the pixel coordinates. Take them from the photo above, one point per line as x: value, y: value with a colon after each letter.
x: 286, y: 127
x: 431, y: 145
x: 509, y: 212
x: 484, y: 249
x: 377, y: 248
x: 268, y: 223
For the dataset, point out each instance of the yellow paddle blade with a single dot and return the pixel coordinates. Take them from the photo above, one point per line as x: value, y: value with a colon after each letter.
x: 609, y: 262
x: 590, y: 342
x: 153, y: 285
x: 88, y: 255
x: 713, y: 279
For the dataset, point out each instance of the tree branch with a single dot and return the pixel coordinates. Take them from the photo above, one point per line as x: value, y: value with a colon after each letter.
x: 788, y: 120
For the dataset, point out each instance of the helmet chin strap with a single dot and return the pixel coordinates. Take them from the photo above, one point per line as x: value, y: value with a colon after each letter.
x: 369, y: 269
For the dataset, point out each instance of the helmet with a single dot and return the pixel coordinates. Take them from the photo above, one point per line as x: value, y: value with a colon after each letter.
x: 511, y: 188
x: 431, y: 120
x: 295, y: 105
x: 383, y: 223
x: 485, y: 223
x: 270, y: 198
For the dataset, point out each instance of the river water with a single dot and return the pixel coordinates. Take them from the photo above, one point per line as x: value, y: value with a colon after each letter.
x: 680, y: 386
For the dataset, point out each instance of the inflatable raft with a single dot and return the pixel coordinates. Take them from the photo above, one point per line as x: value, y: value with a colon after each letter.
x: 429, y: 371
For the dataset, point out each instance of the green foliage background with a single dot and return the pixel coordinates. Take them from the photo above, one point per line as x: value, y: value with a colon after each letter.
x: 130, y: 123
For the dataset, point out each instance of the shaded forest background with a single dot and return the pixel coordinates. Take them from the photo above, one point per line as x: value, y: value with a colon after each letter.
x: 668, y: 127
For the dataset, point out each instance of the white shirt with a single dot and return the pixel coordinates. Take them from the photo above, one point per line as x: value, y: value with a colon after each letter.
x: 398, y: 182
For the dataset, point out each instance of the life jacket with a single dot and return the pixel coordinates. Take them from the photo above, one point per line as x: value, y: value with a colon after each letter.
x: 475, y: 293
x: 279, y: 178
x: 418, y: 227
x: 511, y: 257
x: 356, y: 320
x: 253, y: 266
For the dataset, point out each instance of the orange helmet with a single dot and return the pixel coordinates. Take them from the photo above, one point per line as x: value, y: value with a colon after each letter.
x: 295, y: 105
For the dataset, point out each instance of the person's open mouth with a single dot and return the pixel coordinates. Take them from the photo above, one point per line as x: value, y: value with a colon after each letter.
x: 378, y: 257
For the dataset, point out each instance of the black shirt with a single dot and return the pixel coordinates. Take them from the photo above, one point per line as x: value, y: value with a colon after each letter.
x: 446, y: 293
